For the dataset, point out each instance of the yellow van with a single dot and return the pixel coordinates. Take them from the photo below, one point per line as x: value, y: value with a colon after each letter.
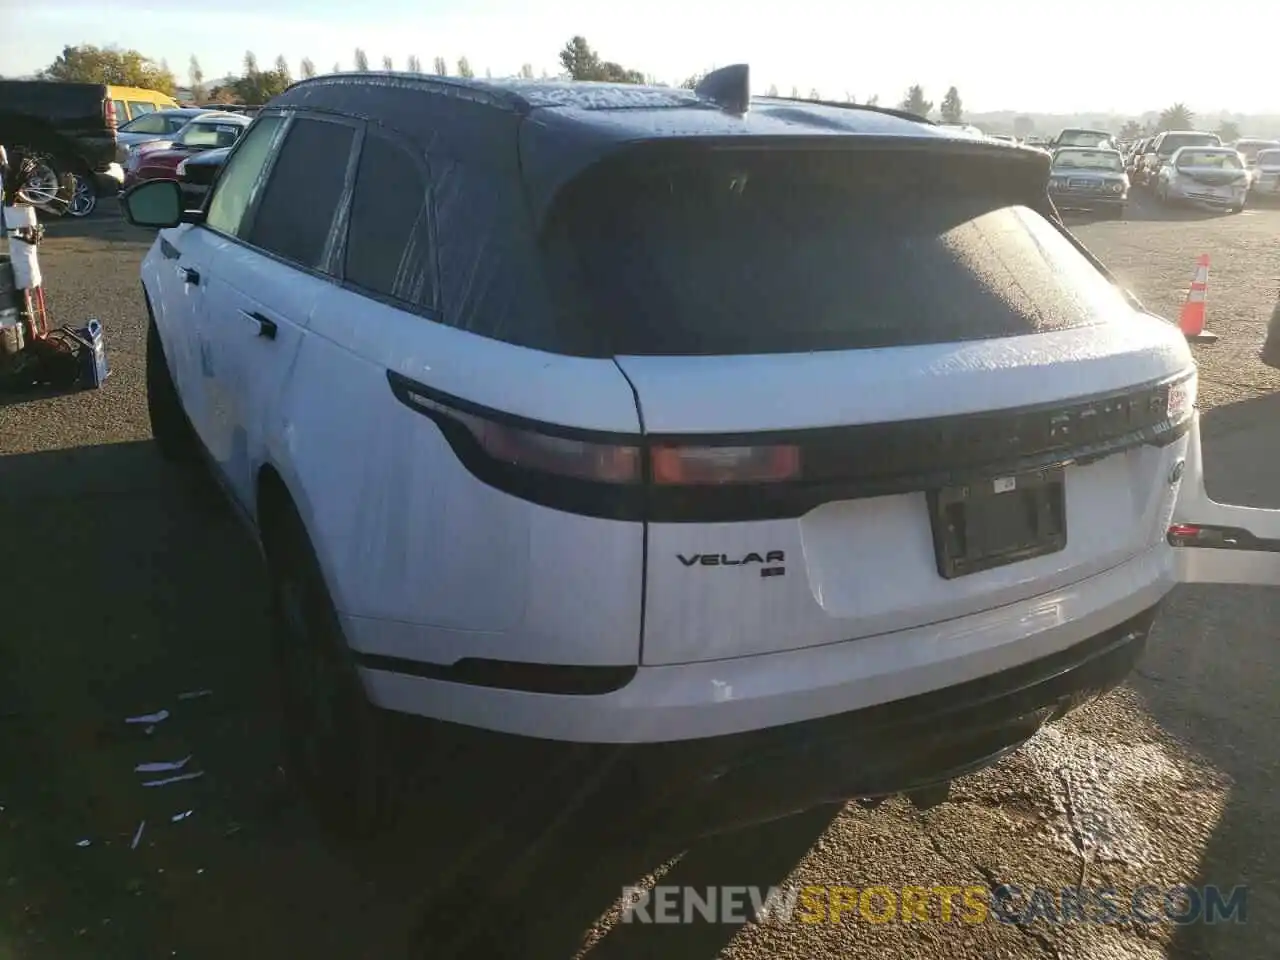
x: 131, y: 102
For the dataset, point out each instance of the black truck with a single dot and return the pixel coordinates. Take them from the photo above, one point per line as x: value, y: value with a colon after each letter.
x: 71, y: 129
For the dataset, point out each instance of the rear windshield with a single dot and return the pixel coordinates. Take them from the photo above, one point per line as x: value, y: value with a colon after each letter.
x: 1251, y: 150
x: 210, y: 133
x: 764, y: 252
x: 1175, y: 140
x: 1214, y: 159
x: 1104, y: 160
x: 1083, y: 138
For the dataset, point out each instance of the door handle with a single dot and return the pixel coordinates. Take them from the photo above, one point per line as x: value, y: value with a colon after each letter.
x: 266, y: 327
x: 190, y: 276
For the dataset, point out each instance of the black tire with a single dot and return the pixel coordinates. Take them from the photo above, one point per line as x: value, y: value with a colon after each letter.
x: 84, y: 196
x: 334, y: 737
x: 169, y: 424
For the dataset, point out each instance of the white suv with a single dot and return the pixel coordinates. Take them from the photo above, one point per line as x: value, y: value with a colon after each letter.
x: 794, y: 444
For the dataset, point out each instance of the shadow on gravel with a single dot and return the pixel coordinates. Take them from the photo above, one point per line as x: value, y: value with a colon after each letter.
x: 126, y: 587
x: 1212, y: 685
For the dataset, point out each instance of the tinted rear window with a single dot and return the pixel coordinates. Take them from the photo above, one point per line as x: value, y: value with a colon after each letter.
x: 772, y: 252
x: 1172, y: 142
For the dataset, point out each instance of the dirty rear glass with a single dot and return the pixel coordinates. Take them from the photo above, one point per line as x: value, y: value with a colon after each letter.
x: 736, y: 253
x: 1172, y: 142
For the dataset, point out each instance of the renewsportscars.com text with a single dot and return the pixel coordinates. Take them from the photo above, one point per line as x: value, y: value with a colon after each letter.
x: 941, y: 903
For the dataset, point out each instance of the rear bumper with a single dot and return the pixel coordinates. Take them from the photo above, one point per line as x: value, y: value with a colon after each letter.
x: 903, y: 746
x: 696, y: 701
x: 703, y: 786
x: 1068, y: 200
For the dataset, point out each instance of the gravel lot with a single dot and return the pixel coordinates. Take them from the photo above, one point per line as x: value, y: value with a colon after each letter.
x: 124, y: 587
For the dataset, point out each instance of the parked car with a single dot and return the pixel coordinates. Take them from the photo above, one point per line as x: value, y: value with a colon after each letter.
x: 1207, y: 176
x: 558, y: 421
x: 1083, y: 137
x: 71, y: 128
x: 1250, y: 147
x: 1163, y: 146
x: 160, y: 158
x: 197, y: 173
x: 130, y: 103
x: 1089, y: 180
x: 1266, y: 175
x: 150, y: 127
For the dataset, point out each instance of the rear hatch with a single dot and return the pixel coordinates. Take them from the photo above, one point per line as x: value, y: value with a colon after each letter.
x: 842, y: 361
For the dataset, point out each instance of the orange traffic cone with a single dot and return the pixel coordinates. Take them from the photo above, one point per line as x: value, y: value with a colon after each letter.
x: 1191, y: 320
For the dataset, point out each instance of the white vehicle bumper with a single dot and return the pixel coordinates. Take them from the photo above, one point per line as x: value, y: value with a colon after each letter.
x: 726, y: 697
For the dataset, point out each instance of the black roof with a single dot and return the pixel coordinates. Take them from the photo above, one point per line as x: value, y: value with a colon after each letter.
x: 573, y: 123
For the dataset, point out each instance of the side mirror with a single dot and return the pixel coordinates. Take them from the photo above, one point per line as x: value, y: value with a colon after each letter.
x: 153, y: 203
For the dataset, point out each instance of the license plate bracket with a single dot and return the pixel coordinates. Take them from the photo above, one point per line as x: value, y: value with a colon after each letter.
x: 995, y: 521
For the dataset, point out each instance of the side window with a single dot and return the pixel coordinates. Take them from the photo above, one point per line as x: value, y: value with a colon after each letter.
x: 235, y: 187
x: 388, y: 241
x: 301, y: 199
x: 122, y: 115
x: 138, y: 107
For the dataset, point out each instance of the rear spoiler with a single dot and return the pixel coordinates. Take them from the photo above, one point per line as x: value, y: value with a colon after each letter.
x: 544, y: 187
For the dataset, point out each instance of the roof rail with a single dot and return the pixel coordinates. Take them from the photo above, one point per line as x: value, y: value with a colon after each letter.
x: 728, y: 88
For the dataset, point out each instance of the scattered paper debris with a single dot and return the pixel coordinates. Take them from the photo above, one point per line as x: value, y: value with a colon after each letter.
x: 162, y: 766
x: 232, y: 829
x: 83, y: 843
x: 194, y: 694
x: 180, y: 777
x: 149, y: 718
x: 181, y: 816
x: 149, y: 731
x: 199, y: 871
x: 137, y: 835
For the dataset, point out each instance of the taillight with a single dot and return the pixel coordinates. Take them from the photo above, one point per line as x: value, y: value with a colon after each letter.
x: 541, y: 452
x: 714, y: 465
x: 109, y: 112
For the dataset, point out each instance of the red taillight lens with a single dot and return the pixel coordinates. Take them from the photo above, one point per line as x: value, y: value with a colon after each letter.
x: 713, y: 465
x: 109, y: 111
x: 1183, y: 531
x: 579, y: 459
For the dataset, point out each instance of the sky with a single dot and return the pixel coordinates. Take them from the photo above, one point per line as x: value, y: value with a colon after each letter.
x: 1000, y: 54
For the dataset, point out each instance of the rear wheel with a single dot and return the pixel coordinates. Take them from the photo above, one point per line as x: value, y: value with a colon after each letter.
x: 332, y: 731
x: 84, y: 196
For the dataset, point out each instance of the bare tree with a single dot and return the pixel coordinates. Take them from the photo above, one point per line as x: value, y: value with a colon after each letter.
x: 526, y: 71
x: 464, y: 68
x: 415, y: 65
x: 196, y: 75
x: 387, y: 65
x: 440, y: 67
x: 772, y: 91
x: 337, y: 67
x: 362, y: 59
x: 307, y: 68
x: 282, y: 70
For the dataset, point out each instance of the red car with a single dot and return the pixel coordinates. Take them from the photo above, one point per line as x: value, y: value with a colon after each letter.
x: 159, y: 159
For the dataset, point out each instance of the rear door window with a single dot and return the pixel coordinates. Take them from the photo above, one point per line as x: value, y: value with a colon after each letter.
x: 139, y: 107
x: 766, y: 252
x: 303, y: 194
x: 388, y: 240
x: 121, y: 113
